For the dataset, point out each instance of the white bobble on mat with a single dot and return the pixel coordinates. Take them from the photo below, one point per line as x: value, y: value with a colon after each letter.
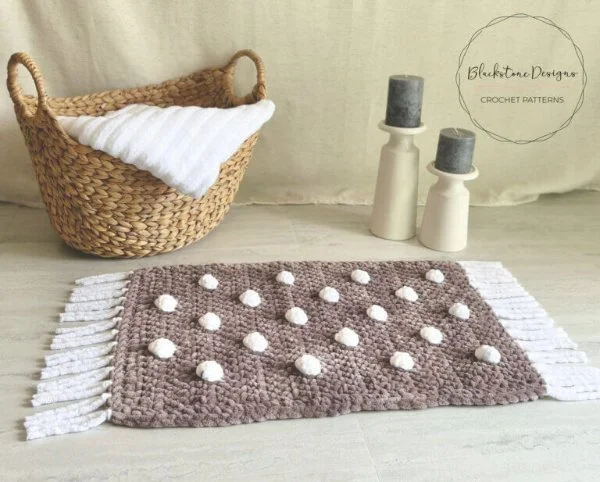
x: 250, y: 298
x: 488, y: 354
x: 402, y: 360
x: 435, y: 275
x: 286, y: 278
x: 377, y: 313
x: 308, y: 365
x: 255, y: 342
x: 210, y: 371
x: 407, y: 293
x: 166, y: 303
x: 460, y: 311
x: 329, y: 294
x: 432, y: 335
x: 296, y: 316
x: 162, y: 348
x: 347, y: 337
x: 208, y: 282
x: 210, y: 321
x: 361, y: 277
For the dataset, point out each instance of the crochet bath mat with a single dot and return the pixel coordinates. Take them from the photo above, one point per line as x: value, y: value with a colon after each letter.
x: 217, y: 345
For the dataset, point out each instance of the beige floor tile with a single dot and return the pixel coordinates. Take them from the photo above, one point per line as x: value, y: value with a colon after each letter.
x: 551, y: 246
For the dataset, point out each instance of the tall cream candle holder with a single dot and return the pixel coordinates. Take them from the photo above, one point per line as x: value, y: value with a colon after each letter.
x: 394, y: 213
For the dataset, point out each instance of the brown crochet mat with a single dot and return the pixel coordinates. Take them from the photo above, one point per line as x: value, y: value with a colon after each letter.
x: 128, y: 385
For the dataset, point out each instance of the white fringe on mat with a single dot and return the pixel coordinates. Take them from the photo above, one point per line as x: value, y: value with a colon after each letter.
x: 550, y: 349
x: 81, y: 366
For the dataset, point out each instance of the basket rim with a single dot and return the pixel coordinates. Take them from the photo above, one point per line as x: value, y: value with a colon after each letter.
x: 43, y: 103
x: 32, y: 99
x: 24, y: 102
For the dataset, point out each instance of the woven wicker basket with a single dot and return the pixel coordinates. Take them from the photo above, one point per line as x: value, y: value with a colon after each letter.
x: 100, y: 205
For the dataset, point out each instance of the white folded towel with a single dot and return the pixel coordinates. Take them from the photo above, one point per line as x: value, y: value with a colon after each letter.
x: 182, y: 146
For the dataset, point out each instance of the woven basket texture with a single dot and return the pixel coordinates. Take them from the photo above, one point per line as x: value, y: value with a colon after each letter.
x: 102, y: 206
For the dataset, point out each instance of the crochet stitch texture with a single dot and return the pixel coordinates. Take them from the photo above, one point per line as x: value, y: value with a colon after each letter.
x: 150, y: 392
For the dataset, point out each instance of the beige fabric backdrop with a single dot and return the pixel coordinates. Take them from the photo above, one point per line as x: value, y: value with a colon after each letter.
x: 328, y: 63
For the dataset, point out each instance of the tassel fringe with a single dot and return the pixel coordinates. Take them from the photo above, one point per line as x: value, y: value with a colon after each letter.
x: 61, y: 342
x: 553, y: 354
x: 71, y: 368
x: 103, y: 278
x: 90, y: 315
x: 80, y: 354
x: 80, y: 368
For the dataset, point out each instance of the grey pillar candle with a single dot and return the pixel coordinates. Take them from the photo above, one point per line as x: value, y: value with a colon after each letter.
x: 455, y: 150
x: 405, y: 98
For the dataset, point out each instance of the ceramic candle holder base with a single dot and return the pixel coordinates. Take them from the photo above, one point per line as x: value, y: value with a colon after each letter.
x: 446, y: 218
x: 395, y: 205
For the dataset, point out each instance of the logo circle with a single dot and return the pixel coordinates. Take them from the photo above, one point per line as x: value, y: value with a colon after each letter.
x: 494, y: 131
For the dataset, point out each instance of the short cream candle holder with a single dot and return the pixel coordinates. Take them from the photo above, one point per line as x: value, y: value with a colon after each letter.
x: 445, y: 222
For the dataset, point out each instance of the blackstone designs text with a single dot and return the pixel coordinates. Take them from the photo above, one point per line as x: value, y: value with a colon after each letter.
x: 508, y: 72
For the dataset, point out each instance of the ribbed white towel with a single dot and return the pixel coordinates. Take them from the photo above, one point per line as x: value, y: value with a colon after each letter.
x: 182, y: 146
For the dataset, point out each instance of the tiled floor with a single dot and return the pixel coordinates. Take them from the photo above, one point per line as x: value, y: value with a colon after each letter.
x: 552, y: 246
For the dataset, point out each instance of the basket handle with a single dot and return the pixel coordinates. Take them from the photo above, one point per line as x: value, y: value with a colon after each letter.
x: 259, y: 91
x: 14, y: 89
